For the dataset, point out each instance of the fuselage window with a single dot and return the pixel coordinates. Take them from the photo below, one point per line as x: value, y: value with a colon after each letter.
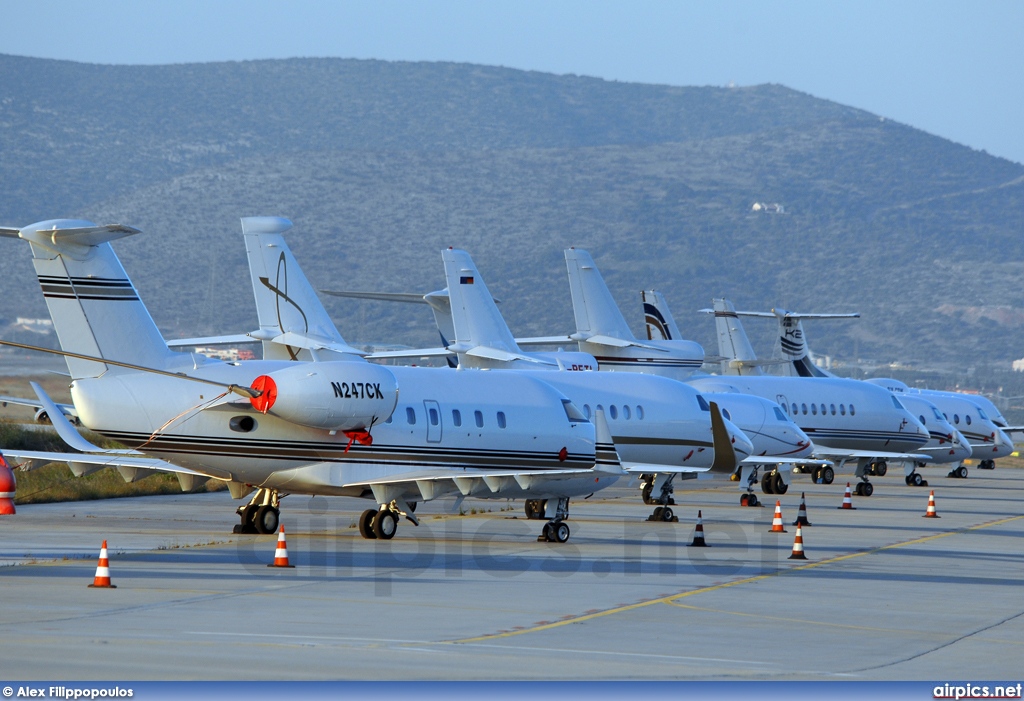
x: 599, y: 408
x: 814, y: 409
x: 853, y: 410
x: 501, y: 419
x: 479, y: 416
x: 923, y: 422
x: 822, y: 409
x: 586, y: 410
x: 795, y: 412
x: 639, y: 412
x: 967, y: 418
x: 432, y: 415
x: 956, y: 418
x: 842, y: 409
x: 804, y: 408
x: 410, y: 416
x: 625, y: 411
x: 726, y: 414
x: 456, y: 417
x: 832, y: 409
x: 612, y: 411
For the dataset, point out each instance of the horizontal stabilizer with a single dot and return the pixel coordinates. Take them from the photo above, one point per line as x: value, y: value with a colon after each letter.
x: 545, y: 340
x: 72, y: 240
x: 601, y: 339
x: 212, y: 341
x: 406, y: 297
x: 411, y: 353
x: 504, y: 356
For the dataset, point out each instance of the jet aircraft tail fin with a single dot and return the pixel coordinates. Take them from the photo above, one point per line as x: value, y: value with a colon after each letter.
x: 476, y: 321
x: 661, y: 325
x: 793, y: 342
x: 595, y: 309
x: 293, y: 322
x: 95, y: 308
x: 733, y: 344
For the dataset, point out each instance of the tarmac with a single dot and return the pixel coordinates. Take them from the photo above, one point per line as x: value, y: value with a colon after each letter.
x: 885, y: 593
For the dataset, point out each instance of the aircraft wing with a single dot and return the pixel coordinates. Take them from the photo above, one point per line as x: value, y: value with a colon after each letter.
x: 846, y: 454
x: 31, y: 459
x: 614, y: 342
x: 640, y: 468
x: 67, y: 409
x: 434, y: 484
x: 1012, y: 429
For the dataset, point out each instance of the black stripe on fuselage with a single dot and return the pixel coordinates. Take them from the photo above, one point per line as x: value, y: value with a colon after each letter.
x: 335, y: 452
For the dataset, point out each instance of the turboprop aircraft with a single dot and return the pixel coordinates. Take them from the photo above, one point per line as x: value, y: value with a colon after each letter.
x: 338, y: 425
x: 656, y: 423
x: 986, y: 439
x: 481, y: 336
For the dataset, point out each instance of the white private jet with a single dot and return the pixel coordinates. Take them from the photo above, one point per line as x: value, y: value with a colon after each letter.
x: 337, y: 426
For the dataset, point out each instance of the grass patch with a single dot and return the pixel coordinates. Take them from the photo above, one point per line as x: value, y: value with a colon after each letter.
x: 55, y: 482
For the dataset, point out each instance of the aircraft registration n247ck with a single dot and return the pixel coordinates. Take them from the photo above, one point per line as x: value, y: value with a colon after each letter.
x: 979, y: 435
x: 656, y: 421
x: 336, y: 426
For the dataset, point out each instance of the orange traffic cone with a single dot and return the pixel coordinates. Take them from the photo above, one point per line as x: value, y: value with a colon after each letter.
x: 102, y: 578
x: 801, y: 514
x: 698, y: 533
x: 798, y: 545
x: 281, y: 554
x: 930, y: 511
x: 777, y: 526
x: 847, y: 499
x: 8, y: 487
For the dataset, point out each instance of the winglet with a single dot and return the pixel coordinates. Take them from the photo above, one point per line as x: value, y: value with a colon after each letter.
x: 607, y: 457
x: 725, y: 457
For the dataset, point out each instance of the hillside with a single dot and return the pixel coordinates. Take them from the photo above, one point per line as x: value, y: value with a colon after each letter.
x: 380, y: 165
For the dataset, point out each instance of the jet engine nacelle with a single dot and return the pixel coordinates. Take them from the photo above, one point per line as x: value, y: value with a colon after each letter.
x: 337, y: 396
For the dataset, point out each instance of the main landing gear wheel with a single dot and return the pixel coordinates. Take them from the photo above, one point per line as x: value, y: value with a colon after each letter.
x: 663, y: 513
x: 915, y: 480
x: 556, y: 531
x: 261, y: 515
x: 987, y: 465
x: 366, y: 524
x: 828, y: 475
x: 767, y: 486
x: 749, y: 500
x: 864, y: 489
x: 268, y: 518
x: 958, y: 472
x: 645, y: 492
x: 385, y: 524
x: 878, y: 468
x: 779, y: 485
x: 535, y: 508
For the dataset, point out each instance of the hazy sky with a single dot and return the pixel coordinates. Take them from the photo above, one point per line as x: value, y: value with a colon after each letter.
x: 955, y: 69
